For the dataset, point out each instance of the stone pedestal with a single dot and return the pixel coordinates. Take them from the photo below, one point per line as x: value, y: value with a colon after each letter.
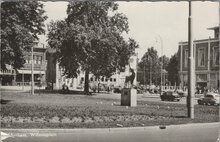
x: 129, y: 97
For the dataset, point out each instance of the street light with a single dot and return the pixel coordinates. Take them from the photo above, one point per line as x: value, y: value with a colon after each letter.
x: 161, y: 71
x: 150, y: 59
x: 32, y: 67
x: 191, y: 68
x: 32, y: 70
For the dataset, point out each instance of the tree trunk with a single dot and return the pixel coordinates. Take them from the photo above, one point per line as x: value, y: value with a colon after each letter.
x: 98, y: 87
x: 86, y: 85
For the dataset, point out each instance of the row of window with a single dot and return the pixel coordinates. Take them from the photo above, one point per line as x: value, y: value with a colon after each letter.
x: 201, y: 57
x: 102, y: 79
x: 37, y: 60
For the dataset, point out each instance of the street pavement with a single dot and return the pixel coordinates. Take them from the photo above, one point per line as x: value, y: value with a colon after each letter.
x: 142, y: 97
x: 203, y: 132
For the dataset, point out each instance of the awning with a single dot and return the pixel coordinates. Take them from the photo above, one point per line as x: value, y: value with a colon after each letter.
x: 29, y: 72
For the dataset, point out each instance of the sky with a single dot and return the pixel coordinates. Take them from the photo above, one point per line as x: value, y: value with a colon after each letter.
x: 161, y: 25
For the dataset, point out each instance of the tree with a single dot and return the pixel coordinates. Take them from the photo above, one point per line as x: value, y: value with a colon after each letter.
x: 172, y: 69
x: 165, y: 61
x: 150, y: 66
x: 90, y: 40
x: 21, y: 22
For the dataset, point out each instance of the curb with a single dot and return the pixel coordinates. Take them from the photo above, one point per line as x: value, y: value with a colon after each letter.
x: 85, y: 130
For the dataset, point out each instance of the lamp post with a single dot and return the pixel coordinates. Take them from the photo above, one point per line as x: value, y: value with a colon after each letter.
x: 32, y: 67
x: 150, y: 59
x: 161, y: 66
x: 0, y: 60
x: 32, y: 70
x: 191, y: 68
x: 144, y: 74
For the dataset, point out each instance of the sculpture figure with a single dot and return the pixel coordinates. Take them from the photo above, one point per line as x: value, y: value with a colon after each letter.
x: 130, y: 79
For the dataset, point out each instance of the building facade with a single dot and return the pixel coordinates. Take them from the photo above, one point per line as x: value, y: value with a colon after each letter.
x: 206, y: 60
x: 22, y: 76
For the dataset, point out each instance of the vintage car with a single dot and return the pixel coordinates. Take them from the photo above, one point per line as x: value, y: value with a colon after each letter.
x: 182, y: 93
x: 170, y: 95
x: 209, y: 99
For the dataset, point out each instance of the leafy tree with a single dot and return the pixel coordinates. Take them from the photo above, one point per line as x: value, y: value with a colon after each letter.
x: 89, y: 39
x: 150, y: 65
x: 172, y: 69
x: 21, y: 22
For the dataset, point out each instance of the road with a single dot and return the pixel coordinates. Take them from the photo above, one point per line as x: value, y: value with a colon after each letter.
x: 143, y: 97
x: 206, y: 132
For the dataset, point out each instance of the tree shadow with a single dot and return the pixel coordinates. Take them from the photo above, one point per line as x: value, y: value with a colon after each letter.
x: 2, y: 101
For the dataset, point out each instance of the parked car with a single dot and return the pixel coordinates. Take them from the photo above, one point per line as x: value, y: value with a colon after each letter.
x: 209, y: 99
x: 170, y: 96
x: 182, y: 93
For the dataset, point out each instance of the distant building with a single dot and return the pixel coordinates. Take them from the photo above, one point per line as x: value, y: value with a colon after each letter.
x: 206, y: 56
x: 23, y: 75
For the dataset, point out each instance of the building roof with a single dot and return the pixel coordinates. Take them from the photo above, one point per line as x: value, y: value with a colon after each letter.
x: 213, y: 28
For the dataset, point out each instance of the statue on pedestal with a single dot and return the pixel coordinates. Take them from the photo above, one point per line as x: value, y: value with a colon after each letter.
x: 130, y: 79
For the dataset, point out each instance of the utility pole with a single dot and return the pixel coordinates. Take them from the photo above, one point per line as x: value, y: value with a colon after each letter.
x: 161, y: 79
x: 22, y: 79
x: 144, y: 74
x: 150, y: 71
x: 191, y: 68
x: 219, y: 50
x: 32, y: 70
x: 0, y: 65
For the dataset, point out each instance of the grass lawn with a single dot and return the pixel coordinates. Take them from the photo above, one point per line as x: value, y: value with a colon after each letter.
x: 21, y: 110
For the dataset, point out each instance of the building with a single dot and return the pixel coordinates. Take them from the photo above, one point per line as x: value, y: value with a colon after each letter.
x: 23, y: 75
x: 206, y: 57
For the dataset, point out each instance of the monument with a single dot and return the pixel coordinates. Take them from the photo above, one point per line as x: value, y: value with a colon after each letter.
x: 129, y: 93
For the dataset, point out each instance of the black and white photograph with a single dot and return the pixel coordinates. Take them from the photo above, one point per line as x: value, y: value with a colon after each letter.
x: 109, y: 71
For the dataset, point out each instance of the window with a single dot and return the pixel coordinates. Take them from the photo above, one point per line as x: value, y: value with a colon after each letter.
x: 186, y: 55
x: 114, y: 79
x: 216, y: 56
x: 82, y: 78
x: 201, y: 77
x: 35, y: 59
x: 111, y: 79
x: 201, y: 57
x: 106, y: 80
x: 40, y: 59
x: 91, y: 79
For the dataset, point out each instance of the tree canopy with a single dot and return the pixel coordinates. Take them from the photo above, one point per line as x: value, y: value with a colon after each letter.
x: 172, y: 69
x: 21, y: 22
x: 150, y: 65
x: 90, y: 39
